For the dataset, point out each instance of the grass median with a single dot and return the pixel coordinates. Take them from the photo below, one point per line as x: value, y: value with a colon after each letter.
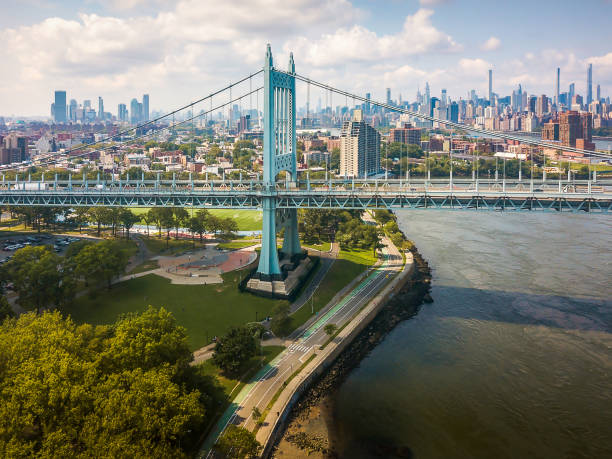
x: 350, y: 264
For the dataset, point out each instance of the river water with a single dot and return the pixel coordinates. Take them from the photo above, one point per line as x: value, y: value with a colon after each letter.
x: 513, y: 358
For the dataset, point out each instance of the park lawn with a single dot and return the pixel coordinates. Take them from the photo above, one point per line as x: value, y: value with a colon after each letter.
x: 247, y: 220
x: 323, y: 247
x: 145, y: 266
x: 232, y: 245
x: 350, y: 264
x: 204, y: 310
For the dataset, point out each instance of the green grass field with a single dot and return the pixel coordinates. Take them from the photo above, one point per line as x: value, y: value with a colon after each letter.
x: 204, y: 310
x: 323, y: 247
x: 247, y: 220
x: 231, y: 245
x: 350, y: 264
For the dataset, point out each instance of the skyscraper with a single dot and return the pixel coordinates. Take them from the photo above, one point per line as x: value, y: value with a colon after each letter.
x: 571, y: 93
x: 122, y: 113
x: 59, y: 110
x: 135, y: 111
x: 359, y: 148
x: 557, y: 93
x: 72, y: 112
x: 100, y: 108
x: 145, y: 107
x: 598, y: 92
x: 589, y: 96
x: 490, y: 86
x: 388, y: 95
x: 367, y: 104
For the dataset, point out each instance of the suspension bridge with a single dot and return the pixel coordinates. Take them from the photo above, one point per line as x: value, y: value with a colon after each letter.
x: 280, y: 199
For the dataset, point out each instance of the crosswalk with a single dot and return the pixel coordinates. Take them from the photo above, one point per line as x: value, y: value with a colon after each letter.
x: 298, y: 347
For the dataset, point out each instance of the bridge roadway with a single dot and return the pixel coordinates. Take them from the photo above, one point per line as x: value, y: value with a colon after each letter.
x: 260, y: 391
x: 481, y: 194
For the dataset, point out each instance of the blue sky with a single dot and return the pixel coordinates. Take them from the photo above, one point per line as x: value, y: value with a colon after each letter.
x: 180, y: 50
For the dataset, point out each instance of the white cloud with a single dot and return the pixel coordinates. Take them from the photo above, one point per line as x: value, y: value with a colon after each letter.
x: 491, y: 44
x: 432, y: 2
x: 359, y: 44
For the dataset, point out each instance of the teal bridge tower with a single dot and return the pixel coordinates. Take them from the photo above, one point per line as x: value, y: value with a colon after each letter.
x: 279, y: 154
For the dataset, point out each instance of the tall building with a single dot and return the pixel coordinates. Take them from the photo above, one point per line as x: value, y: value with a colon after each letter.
x: 541, y: 105
x: 389, y: 96
x: 589, y: 96
x: 59, y: 107
x: 145, y: 107
x: 571, y: 92
x: 122, y: 113
x: 100, y: 108
x: 359, y: 148
x: 557, y: 93
x: 490, y: 87
x: 13, y: 149
x: 367, y: 104
x: 135, y: 111
x: 72, y: 111
x: 407, y: 135
x: 598, y: 92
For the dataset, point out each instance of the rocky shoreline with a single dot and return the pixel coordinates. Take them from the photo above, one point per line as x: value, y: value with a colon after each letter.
x: 308, y: 432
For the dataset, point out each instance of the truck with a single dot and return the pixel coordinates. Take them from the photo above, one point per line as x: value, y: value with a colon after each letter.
x: 31, y: 186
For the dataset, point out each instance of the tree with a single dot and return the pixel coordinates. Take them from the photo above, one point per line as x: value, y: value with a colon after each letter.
x: 5, y: 309
x: 234, y: 349
x: 330, y: 329
x: 238, y: 443
x: 38, y: 278
x: 101, y: 262
x: 281, y: 320
x: 201, y: 226
x: 180, y: 216
x: 61, y: 396
x: 81, y: 214
x: 98, y: 215
x: 128, y: 219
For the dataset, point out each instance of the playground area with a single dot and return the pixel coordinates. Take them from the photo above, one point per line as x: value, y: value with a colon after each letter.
x: 203, y: 266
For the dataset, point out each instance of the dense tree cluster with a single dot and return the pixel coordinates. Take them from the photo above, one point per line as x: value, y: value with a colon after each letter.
x: 70, y: 390
x: 200, y: 223
x: 237, y: 443
x: 235, y: 348
x: 44, y: 279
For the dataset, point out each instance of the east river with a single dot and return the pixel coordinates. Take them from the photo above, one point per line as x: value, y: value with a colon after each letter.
x: 513, y: 358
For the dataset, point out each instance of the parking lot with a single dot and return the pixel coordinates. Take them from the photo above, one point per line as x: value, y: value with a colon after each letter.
x: 8, y: 245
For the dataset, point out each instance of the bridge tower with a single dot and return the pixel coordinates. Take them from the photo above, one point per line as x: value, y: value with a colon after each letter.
x: 279, y: 154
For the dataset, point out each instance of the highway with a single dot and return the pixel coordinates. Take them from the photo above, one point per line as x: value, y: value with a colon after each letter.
x: 260, y: 391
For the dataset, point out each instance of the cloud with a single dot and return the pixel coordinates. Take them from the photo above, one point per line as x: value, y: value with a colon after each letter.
x: 432, y: 2
x: 359, y: 44
x: 491, y: 44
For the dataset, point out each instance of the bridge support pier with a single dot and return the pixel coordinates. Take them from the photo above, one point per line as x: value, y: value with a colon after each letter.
x: 268, y: 258
x: 291, y: 243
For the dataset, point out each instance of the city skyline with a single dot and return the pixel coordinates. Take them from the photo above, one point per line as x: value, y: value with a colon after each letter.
x: 106, y: 49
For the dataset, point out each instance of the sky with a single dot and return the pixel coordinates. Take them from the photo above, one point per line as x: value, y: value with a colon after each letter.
x: 180, y: 50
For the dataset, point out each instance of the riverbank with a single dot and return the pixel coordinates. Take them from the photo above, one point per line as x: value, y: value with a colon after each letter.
x: 308, y: 431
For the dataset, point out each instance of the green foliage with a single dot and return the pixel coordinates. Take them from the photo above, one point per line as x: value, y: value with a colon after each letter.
x: 38, y: 277
x: 383, y: 216
x: 84, y: 391
x: 356, y: 234
x: 318, y: 225
x: 234, y: 349
x: 128, y: 219
x: 281, y: 320
x: 101, y: 262
x: 237, y: 443
x: 5, y: 309
x: 330, y: 329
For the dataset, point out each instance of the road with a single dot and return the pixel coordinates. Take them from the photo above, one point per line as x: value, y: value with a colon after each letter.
x: 259, y: 392
x: 327, y: 260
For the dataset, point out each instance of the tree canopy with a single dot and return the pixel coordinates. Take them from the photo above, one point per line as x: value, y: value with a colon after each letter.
x: 234, y: 349
x: 105, y: 391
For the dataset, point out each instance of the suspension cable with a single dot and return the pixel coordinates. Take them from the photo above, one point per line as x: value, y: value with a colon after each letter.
x: 451, y: 123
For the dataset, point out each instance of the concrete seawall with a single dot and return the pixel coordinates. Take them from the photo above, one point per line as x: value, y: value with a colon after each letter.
x: 277, y: 417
